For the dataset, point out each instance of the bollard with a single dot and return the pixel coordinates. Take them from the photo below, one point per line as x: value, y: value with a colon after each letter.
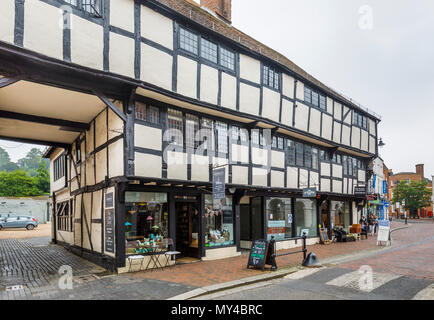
x: 272, y: 254
x: 304, y: 246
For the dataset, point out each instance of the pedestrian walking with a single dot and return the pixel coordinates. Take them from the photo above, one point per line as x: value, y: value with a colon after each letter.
x: 371, y: 222
x: 375, y: 224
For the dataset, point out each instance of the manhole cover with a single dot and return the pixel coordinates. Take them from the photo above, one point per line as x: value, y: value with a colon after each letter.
x: 85, y: 278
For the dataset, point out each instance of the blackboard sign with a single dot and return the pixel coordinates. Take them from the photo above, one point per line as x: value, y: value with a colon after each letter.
x: 258, y: 253
x: 359, y: 190
x: 109, y: 229
x: 218, y: 187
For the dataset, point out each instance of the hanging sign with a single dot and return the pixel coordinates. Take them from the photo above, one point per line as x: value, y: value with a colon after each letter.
x: 309, y: 193
x: 359, y: 190
x: 384, y: 187
x: 218, y: 187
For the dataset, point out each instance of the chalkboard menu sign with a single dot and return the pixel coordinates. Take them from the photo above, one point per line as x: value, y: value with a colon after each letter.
x: 109, y: 219
x: 258, y: 253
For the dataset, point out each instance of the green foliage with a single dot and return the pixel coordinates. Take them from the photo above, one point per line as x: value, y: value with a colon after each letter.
x: 28, y: 177
x: 415, y: 194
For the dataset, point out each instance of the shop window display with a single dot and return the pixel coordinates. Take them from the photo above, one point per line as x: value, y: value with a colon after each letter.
x: 340, y: 214
x: 305, y: 217
x: 146, y: 221
x: 279, y: 218
x: 219, y: 230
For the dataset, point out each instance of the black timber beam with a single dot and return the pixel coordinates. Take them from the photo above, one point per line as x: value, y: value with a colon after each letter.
x: 65, y: 125
x: 111, y: 105
x: 4, y: 82
x: 39, y: 142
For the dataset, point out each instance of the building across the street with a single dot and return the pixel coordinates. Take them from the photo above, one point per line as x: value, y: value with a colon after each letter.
x: 378, y: 197
x: 143, y: 102
x: 408, y: 177
x: 37, y: 207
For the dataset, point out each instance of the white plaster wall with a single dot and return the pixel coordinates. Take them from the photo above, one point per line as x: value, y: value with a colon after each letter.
x: 121, y: 55
x: 96, y: 205
x: 116, y: 158
x: 287, y: 112
x: 314, y: 180
x: 325, y: 169
x: 156, y: 27
x: 96, y: 236
x: 259, y: 177
x: 301, y: 116
x: 200, y: 168
x: 90, y: 143
x: 277, y: 159
x: 65, y: 236
x: 176, y: 165
x: 337, y: 171
x: 147, y: 137
x: 101, y: 168
x: 355, y: 139
x: 337, y: 186
x: 325, y: 185
x: 101, y: 128
x: 115, y: 123
x: 371, y: 127
x: 156, y: 67
x: 240, y: 153
x: 187, y: 77
x: 338, y: 111
x: 371, y: 145
x: 209, y: 84
x: 87, y: 43
x: 260, y: 156
x: 346, y: 133
x: 271, y: 105
x: 361, y: 175
x: 240, y: 175
x: 7, y: 21
x: 292, y: 177
x: 42, y: 28
x: 147, y: 165
x: 300, y: 90
x: 348, y: 118
x: 249, y: 99
x: 315, y: 122
x: 122, y: 14
x: 304, y: 178
x: 90, y: 171
x: 327, y: 123
x: 346, y: 185
x: 337, y: 127
x: 229, y: 91
x: 288, y: 86
x: 329, y: 105
x: 250, y: 69
x: 277, y: 179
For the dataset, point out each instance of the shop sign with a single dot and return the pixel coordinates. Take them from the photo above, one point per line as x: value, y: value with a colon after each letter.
x: 309, y: 193
x: 218, y: 187
x: 371, y: 197
x: 359, y: 190
x: 109, y: 223
x: 276, y: 229
x: 384, y: 187
x: 383, y: 231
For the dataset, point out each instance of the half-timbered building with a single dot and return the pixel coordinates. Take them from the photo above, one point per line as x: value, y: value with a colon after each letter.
x: 140, y: 100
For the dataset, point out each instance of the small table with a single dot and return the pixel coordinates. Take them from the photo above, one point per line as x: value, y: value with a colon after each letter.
x: 154, y: 252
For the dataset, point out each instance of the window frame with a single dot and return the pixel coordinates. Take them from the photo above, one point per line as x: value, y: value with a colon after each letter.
x: 269, y: 77
x: 82, y: 5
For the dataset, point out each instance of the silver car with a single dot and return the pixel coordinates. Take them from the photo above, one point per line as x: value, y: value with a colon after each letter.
x: 18, y: 222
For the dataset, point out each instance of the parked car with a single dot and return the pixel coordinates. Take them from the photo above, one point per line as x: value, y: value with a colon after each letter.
x: 19, y: 222
x: 4, y: 216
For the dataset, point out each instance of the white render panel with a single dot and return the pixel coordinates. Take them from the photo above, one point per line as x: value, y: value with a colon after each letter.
x: 325, y: 169
x: 96, y: 208
x: 7, y: 21
x: 87, y: 43
x: 96, y: 236
x: 346, y: 132
x: 346, y: 185
x: 200, y: 168
x: 209, y: 84
x: 372, y: 127
x: 348, y: 118
x: 355, y: 139
x: 156, y: 27
x: 271, y: 104
x: 301, y: 116
x: 304, y: 178
x: 42, y: 28
x: 337, y: 171
x: 259, y: 177
x: 240, y: 153
x: 288, y: 86
x: 337, y: 127
x: 338, y: 111
x: 325, y: 185
x: 229, y: 91
x: 187, y: 77
x: 101, y: 129
x: 365, y: 140
x: 147, y: 137
x: 240, y: 175
x: 259, y: 156
x: 329, y: 105
x: 250, y: 69
x: 277, y: 159
x: 249, y: 99
x: 176, y: 165
x: 115, y: 123
x: 315, y: 122
x: 287, y: 112
x: 314, y: 180
x: 116, y: 158
x: 361, y: 176
x: 337, y: 186
x: 292, y: 178
x: 300, y: 90
x: 371, y: 145
x: 327, y: 123
x: 121, y: 55
x: 148, y: 165
x: 122, y: 14
x: 90, y: 173
x: 277, y: 179
x: 101, y: 165
x: 156, y: 67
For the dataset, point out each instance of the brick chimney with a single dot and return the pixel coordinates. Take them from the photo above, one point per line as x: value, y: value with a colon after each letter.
x: 420, y: 170
x: 223, y: 8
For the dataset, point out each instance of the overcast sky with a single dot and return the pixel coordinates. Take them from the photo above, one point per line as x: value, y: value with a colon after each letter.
x: 386, y: 65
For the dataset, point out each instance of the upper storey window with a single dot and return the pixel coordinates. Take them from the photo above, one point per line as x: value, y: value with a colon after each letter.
x: 93, y: 7
x: 271, y: 78
x: 188, y: 41
x: 147, y: 113
x: 316, y: 99
x: 208, y: 50
x: 360, y: 121
x: 227, y: 59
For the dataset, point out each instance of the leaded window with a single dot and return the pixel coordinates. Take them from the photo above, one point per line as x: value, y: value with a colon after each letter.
x: 291, y: 152
x: 176, y: 126
x: 271, y: 78
x: 91, y: 6
x: 222, y: 137
x: 191, y: 129
x: 227, y: 59
x: 208, y: 50
x: 207, y: 131
x: 307, y: 156
x: 322, y: 102
x: 315, y: 159
x: 307, y: 95
x: 188, y: 41
x: 299, y: 154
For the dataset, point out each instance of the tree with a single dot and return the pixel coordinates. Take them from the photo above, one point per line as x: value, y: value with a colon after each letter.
x: 31, y: 161
x: 43, y: 178
x: 5, y: 161
x: 17, y: 184
x: 415, y: 194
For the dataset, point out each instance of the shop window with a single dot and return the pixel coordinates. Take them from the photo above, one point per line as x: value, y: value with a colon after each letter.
x: 235, y: 133
x: 219, y: 224
x: 279, y: 218
x: 340, y: 214
x: 255, y: 137
x: 305, y: 217
x: 146, y: 220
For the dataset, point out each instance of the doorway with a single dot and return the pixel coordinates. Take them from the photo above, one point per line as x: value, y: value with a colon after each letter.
x: 188, y: 229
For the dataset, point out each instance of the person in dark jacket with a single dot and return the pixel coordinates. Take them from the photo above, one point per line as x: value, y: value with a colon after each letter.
x: 371, y: 222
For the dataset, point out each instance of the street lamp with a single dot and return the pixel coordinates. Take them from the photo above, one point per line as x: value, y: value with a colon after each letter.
x: 381, y: 143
